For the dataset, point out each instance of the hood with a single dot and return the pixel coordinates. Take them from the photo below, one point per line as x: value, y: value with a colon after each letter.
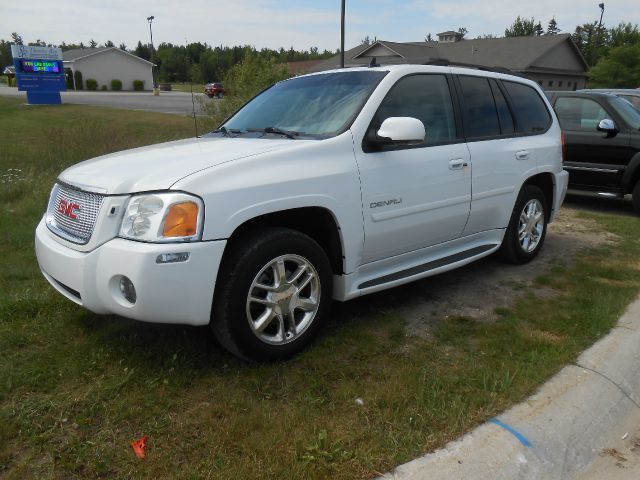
x: 158, y: 167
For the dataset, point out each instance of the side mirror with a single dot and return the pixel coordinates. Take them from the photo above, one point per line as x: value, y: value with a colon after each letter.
x: 607, y: 126
x: 401, y: 130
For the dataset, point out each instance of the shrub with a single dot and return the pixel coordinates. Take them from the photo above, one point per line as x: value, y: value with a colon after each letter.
x: 242, y: 81
x: 103, y: 88
x: 77, y: 76
x: 138, y: 85
x: 92, y: 84
x: 3, y: 79
x: 116, y: 85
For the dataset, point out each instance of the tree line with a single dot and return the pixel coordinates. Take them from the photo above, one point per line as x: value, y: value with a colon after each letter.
x: 593, y: 39
x: 197, y: 62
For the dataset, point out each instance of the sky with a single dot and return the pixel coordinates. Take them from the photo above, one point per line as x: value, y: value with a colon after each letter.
x: 286, y: 23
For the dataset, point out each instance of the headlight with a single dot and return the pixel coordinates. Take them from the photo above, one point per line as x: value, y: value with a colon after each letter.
x: 163, y: 217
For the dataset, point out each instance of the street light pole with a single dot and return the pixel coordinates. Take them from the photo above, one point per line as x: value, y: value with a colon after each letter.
x: 153, y: 77
x: 342, y: 36
x: 601, y: 5
x: 595, y: 45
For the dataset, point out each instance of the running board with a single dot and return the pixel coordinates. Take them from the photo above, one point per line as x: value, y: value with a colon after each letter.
x: 441, y: 262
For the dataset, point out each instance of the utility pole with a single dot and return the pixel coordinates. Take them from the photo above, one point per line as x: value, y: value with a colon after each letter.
x: 342, y: 36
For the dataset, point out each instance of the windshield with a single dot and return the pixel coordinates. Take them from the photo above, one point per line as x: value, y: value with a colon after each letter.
x: 627, y: 111
x: 320, y: 105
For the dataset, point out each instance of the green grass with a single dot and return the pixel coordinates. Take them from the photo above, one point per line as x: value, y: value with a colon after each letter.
x: 76, y: 388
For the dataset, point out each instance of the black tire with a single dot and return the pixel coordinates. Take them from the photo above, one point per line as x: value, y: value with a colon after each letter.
x: 232, y: 320
x: 512, y: 250
x: 635, y: 197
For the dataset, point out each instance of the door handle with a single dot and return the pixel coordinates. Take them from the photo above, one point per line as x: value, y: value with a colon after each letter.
x: 522, y: 155
x: 457, y: 164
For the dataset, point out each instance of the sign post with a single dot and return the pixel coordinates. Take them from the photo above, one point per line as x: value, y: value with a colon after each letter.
x: 40, y: 73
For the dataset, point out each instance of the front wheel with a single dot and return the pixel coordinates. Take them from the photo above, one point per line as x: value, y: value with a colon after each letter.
x: 272, y: 296
x: 527, y: 227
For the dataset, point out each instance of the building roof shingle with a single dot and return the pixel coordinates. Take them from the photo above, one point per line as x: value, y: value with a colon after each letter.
x: 514, y: 53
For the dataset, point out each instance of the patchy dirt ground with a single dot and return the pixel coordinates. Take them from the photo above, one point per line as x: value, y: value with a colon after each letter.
x: 476, y: 290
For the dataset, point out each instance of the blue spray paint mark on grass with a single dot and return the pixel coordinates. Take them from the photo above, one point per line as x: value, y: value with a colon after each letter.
x: 523, y: 440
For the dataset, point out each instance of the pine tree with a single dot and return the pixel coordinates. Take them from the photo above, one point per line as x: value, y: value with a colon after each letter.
x: 538, y: 30
x: 16, y: 39
x: 552, y: 28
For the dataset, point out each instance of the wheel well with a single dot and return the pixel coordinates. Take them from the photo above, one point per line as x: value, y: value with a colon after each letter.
x: 633, y: 179
x: 316, y: 222
x: 544, y: 181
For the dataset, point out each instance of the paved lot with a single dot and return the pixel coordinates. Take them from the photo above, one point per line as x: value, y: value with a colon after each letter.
x: 177, y: 103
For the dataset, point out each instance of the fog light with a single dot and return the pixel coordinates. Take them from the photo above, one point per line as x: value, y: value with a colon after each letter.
x: 128, y: 290
x: 172, y: 257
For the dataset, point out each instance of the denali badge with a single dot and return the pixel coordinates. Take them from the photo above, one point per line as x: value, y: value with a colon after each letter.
x: 384, y: 203
x: 66, y: 208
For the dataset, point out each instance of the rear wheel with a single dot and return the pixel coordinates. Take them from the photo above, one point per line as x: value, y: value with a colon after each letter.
x: 527, y: 227
x: 273, y: 294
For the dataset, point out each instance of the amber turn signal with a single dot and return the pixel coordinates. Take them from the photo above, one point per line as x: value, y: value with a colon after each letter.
x: 181, y: 220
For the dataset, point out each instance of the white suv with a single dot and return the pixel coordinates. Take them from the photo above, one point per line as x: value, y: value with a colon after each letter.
x: 331, y: 185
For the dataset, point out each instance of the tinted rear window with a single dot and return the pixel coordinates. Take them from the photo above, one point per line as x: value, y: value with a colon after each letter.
x: 530, y: 111
x: 504, y: 114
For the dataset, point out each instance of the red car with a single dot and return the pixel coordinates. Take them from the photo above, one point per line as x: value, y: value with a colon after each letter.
x: 213, y: 90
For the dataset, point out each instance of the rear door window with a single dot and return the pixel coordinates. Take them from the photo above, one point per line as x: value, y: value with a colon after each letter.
x: 480, y: 114
x: 530, y: 111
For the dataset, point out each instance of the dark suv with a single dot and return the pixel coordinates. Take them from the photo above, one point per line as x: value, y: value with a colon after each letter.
x: 602, y: 142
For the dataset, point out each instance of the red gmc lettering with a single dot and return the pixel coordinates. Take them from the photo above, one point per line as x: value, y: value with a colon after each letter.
x: 67, y: 208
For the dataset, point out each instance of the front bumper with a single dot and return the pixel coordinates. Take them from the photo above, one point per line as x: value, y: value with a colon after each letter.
x: 180, y: 293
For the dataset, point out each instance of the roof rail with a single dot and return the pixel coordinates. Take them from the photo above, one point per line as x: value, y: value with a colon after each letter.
x: 444, y: 62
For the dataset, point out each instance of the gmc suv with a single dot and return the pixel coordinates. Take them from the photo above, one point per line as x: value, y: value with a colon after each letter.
x: 602, y: 142
x: 325, y: 186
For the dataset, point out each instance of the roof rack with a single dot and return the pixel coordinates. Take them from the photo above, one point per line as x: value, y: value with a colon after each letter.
x: 444, y: 62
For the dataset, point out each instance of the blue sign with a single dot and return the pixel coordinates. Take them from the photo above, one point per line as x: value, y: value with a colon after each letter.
x: 40, y: 73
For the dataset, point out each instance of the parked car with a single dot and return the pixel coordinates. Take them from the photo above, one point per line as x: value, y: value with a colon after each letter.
x: 630, y: 94
x: 331, y: 185
x: 214, y: 89
x: 602, y: 142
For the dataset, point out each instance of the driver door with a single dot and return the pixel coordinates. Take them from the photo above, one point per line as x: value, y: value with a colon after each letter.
x: 415, y: 196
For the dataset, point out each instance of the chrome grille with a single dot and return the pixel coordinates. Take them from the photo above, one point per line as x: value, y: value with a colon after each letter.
x: 65, y: 204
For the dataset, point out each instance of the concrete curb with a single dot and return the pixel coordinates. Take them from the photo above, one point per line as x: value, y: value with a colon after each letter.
x: 559, y: 431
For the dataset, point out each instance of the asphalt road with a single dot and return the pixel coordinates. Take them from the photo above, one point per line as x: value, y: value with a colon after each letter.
x: 177, y: 103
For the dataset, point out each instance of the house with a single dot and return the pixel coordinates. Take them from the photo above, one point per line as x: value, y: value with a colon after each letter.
x: 106, y: 64
x: 553, y: 61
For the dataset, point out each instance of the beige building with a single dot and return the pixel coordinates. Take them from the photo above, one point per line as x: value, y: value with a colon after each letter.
x: 553, y: 61
x: 106, y: 64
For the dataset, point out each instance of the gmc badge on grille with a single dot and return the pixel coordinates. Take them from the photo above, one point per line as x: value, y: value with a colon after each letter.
x: 66, y: 208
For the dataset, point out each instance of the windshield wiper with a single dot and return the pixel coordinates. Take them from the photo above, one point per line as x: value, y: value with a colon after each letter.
x: 227, y: 132
x: 276, y: 130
